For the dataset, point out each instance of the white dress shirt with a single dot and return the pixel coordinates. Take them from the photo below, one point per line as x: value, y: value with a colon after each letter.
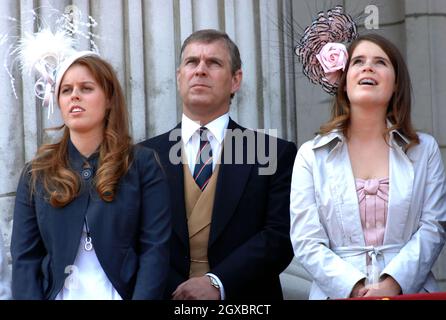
x: 190, y: 135
x: 87, y: 279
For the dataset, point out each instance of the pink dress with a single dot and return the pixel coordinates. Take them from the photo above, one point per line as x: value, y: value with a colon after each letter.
x: 373, y: 195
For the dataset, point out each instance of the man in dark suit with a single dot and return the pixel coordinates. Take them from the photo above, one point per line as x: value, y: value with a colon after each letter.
x: 230, y: 194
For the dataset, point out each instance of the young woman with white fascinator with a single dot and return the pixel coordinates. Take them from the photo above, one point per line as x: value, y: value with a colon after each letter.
x: 92, y: 213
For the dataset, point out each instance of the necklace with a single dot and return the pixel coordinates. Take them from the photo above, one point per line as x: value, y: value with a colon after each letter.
x: 88, y: 245
x: 86, y: 174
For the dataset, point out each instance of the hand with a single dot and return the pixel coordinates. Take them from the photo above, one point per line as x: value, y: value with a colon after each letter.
x: 359, y: 290
x: 386, y: 287
x: 197, y: 288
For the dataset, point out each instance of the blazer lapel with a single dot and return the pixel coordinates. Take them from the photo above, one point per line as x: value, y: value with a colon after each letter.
x: 231, y: 183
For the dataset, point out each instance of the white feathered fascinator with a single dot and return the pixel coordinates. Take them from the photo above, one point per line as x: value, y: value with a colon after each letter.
x: 40, y: 54
x: 47, y: 54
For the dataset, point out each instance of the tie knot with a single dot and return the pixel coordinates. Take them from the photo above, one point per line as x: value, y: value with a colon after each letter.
x: 203, y: 133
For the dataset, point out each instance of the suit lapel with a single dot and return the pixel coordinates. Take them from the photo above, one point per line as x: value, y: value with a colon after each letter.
x: 231, y: 183
x: 174, y: 173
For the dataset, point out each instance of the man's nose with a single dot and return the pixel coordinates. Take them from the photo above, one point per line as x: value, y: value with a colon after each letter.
x: 201, y: 69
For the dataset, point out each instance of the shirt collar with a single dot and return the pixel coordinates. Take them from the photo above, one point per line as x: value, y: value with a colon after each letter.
x: 216, y: 127
x: 323, y: 140
x: 77, y: 160
x: 401, y: 140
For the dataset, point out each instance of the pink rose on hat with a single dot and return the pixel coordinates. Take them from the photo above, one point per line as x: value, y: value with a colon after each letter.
x: 333, y: 58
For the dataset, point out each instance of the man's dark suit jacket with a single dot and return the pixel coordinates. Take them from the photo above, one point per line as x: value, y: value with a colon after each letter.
x: 130, y: 234
x: 249, y: 244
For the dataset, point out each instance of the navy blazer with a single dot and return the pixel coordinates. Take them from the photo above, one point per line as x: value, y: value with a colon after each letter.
x: 249, y: 243
x: 130, y: 234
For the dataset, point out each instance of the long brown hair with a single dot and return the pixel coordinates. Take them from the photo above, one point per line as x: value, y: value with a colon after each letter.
x: 399, y: 107
x: 51, y: 166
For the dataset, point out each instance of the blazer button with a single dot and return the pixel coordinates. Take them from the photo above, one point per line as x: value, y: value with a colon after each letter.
x: 87, y: 173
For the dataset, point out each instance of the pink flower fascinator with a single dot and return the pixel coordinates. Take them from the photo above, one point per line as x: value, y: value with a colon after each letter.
x: 321, y: 49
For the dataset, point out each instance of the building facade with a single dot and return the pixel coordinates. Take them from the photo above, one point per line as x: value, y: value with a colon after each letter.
x: 142, y: 39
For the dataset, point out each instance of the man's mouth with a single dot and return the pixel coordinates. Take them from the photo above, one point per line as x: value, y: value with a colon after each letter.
x: 202, y: 85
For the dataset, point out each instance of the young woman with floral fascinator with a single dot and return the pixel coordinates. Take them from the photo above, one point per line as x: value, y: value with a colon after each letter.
x: 368, y: 194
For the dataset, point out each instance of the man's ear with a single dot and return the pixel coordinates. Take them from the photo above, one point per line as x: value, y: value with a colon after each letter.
x: 237, y: 80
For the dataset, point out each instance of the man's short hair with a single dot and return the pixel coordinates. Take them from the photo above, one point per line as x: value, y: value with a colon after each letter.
x: 210, y: 36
